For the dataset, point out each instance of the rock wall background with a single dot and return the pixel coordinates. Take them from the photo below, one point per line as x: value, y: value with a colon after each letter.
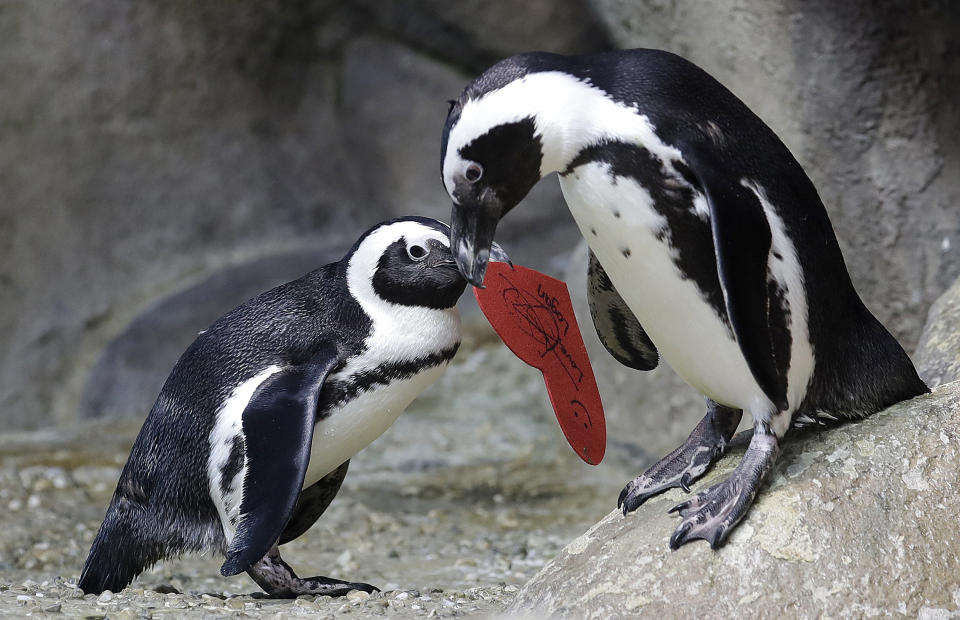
x: 161, y: 161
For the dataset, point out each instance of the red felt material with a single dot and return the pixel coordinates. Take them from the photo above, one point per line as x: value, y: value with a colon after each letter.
x: 533, y: 315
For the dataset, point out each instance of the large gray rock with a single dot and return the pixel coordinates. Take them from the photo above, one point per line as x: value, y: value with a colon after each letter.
x: 938, y: 355
x: 865, y: 95
x: 856, y: 521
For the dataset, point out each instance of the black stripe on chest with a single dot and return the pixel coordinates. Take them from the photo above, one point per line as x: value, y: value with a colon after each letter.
x: 336, y: 393
x: 673, y: 193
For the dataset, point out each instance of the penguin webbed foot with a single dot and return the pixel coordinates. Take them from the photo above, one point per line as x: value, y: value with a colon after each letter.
x: 705, y: 445
x: 279, y: 581
x: 326, y: 586
x: 712, y: 514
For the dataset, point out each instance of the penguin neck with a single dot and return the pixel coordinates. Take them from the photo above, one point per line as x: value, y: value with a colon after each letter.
x: 571, y: 114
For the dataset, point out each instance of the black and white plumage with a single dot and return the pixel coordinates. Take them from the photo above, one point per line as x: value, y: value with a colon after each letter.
x: 251, y: 435
x: 709, y: 246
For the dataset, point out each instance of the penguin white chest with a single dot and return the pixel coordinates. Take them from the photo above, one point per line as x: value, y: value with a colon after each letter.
x: 399, y: 361
x: 616, y: 216
x: 357, y: 423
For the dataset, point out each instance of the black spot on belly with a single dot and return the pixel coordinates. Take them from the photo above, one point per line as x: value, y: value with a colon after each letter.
x: 673, y: 192
x: 626, y: 252
x: 231, y: 467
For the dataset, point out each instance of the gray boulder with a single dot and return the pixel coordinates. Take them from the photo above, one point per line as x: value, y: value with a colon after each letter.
x: 938, y: 355
x: 857, y: 521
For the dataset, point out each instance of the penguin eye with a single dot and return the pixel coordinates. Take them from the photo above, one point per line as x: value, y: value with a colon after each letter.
x: 416, y: 252
x: 473, y: 172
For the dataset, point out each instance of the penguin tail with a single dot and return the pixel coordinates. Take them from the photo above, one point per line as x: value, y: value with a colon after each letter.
x: 866, y: 370
x: 120, y: 551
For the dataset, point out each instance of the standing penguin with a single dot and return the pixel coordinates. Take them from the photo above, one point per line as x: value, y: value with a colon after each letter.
x: 709, y: 246
x: 252, y: 433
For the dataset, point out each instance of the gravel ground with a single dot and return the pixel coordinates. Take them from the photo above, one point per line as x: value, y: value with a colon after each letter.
x: 448, y: 513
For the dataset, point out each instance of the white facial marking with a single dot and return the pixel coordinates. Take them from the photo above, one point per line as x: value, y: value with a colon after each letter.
x: 569, y: 114
x: 409, y: 327
x: 228, y: 424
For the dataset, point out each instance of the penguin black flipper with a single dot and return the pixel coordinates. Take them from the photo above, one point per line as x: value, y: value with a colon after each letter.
x: 618, y: 328
x: 278, y: 427
x: 741, y: 239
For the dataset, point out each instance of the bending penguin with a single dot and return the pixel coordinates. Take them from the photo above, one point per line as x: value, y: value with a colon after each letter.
x: 709, y: 247
x: 251, y: 435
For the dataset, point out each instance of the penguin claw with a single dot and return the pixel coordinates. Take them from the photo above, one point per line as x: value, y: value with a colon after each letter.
x: 326, y: 586
x: 676, y: 470
x: 364, y: 587
x: 712, y: 514
x: 686, y: 464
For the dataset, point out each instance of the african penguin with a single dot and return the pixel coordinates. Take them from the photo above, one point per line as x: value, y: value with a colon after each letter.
x: 251, y: 435
x: 709, y: 246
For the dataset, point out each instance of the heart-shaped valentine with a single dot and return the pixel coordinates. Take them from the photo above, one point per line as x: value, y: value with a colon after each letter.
x: 533, y: 315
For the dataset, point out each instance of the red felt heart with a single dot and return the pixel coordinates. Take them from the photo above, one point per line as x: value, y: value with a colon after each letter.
x: 533, y: 315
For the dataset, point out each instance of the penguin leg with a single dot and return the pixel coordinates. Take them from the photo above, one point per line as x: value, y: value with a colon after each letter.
x: 690, y: 461
x: 279, y: 581
x: 312, y: 503
x: 712, y: 514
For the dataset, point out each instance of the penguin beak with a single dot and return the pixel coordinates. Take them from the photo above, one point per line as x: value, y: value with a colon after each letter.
x: 499, y: 255
x: 472, y: 227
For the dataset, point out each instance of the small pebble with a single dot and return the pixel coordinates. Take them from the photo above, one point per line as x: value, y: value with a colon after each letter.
x: 105, y: 597
x: 236, y: 603
x: 52, y: 609
x: 355, y: 596
x: 305, y: 603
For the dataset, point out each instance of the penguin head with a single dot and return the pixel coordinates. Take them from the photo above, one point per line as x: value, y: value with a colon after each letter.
x: 491, y: 156
x: 407, y: 261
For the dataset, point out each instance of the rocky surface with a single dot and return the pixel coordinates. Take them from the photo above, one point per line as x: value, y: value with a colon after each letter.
x: 858, y: 521
x: 449, y: 513
x: 938, y: 355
